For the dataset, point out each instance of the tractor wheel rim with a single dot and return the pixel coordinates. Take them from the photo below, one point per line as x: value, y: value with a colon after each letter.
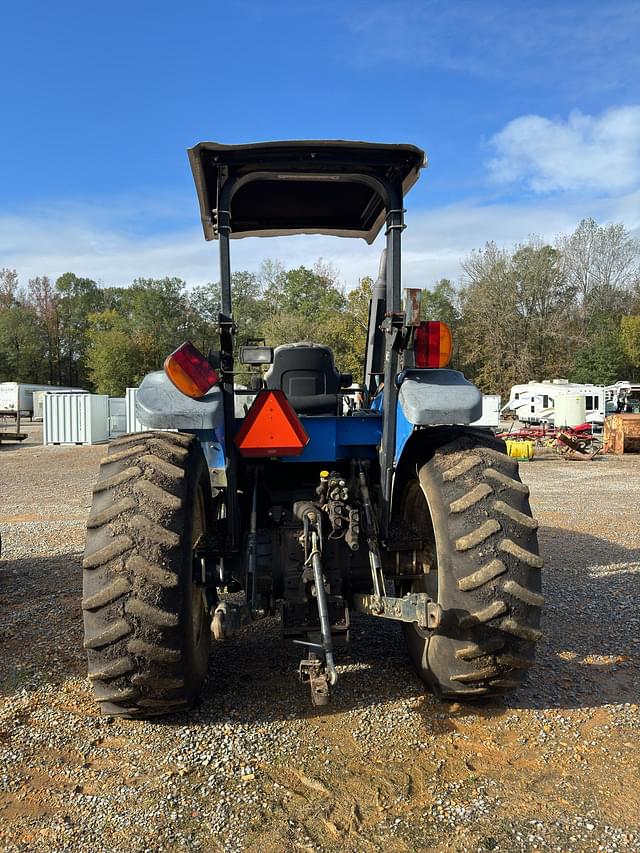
x: 197, y: 603
x: 418, y: 512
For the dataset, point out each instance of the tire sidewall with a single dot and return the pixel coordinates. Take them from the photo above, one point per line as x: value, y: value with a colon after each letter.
x: 195, y: 656
x: 439, y: 656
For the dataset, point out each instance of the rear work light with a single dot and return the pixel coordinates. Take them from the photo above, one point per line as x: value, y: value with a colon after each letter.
x: 271, y: 428
x: 432, y: 344
x: 190, y: 371
x: 256, y: 356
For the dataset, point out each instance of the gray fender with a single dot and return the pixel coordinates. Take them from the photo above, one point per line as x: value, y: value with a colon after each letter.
x: 159, y: 405
x: 438, y: 397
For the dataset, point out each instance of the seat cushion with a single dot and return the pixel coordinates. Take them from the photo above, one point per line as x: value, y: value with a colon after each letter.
x: 307, y: 375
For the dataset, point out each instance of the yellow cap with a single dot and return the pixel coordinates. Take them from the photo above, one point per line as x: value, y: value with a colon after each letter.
x: 324, y: 475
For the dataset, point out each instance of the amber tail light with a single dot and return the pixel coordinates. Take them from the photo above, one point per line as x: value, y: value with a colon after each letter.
x: 190, y: 371
x: 432, y: 344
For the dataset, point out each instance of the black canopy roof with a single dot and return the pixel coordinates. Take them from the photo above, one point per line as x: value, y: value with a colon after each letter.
x: 303, y: 187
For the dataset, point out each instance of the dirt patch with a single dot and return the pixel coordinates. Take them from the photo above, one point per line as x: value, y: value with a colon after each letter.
x: 553, y: 766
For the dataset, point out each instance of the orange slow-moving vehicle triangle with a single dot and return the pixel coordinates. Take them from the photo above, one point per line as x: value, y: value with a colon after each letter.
x: 271, y: 428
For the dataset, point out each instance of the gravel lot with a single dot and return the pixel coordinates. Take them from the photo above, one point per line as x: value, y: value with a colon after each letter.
x: 555, y: 766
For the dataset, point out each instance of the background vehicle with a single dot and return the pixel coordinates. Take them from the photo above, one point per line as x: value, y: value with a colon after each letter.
x: 393, y: 507
x: 534, y: 402
x: 17, y: 397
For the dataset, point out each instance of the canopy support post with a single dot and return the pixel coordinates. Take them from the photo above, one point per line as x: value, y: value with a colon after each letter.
x: 227, y: 333
x: 392, y: 325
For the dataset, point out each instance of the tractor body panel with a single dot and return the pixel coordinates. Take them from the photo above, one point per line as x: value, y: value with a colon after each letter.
x: 431, y: 398
x: 334, y: 438
x: 438, y: 397
x: 159, y: 405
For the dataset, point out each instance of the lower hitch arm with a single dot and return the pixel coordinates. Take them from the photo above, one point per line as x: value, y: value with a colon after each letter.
x: 319, y: 669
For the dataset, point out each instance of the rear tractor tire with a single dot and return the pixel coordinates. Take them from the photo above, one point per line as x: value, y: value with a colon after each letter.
x: 146, y: 624
x: 481, y: 564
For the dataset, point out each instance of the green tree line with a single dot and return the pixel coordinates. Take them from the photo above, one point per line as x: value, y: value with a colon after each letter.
x: 535, y: 311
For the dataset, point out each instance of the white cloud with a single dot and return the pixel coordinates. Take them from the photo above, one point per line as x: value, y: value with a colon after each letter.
x: 598, y: 154
x: 434, y: 242
x: 595, y: 158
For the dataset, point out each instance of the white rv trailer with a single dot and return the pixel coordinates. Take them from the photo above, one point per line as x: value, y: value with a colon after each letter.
x: 533, y: 402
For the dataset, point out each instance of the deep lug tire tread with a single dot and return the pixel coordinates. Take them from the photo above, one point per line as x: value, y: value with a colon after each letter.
x: 489, y: 579
x: 137, y: 576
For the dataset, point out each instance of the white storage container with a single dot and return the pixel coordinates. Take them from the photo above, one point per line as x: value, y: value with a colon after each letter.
x: 75, y: 418
x: 490, y: 411
x: 38, y: 405
x: 132, y: 423
x: 117, y: 417
x: 38, y: 399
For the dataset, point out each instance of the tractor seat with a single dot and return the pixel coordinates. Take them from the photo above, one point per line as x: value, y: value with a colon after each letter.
x: 307, y: 375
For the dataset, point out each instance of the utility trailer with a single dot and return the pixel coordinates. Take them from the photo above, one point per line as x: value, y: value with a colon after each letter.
x: 394, y: 507
x: 10, y: 427
x: 17, y: 397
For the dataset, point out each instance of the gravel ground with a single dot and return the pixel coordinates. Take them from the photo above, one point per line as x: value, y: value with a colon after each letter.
x: 387, y: 767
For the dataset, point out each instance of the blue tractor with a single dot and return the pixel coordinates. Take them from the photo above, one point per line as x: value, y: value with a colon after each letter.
x: 311, y: 495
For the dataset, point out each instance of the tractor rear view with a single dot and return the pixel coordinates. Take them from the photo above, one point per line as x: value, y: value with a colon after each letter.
x: 320, y: 497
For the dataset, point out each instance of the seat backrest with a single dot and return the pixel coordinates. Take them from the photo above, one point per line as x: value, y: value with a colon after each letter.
x: 307, y: 375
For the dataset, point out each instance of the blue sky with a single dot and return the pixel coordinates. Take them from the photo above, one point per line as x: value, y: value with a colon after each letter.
x: 529, y: 112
